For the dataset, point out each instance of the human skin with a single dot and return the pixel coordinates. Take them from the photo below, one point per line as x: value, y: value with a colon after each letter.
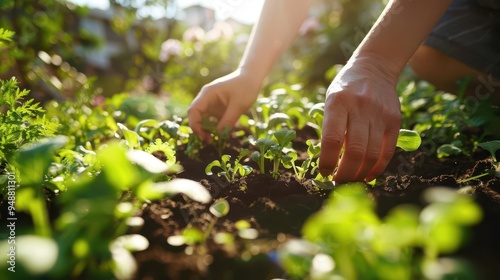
x: 362, y: 110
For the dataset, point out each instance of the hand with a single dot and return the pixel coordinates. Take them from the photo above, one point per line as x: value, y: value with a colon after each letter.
x: 362, y: 114
x: 226, y: 99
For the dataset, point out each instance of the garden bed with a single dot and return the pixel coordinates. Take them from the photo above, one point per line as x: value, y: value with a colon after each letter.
x: 277, y: 209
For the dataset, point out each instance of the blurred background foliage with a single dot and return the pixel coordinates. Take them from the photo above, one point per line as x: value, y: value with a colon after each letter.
x: 61, y: 49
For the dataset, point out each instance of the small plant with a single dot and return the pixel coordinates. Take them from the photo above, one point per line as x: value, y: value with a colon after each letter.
x: 264, y: 145
x: 308, y: 165
x: 20, y: 121
x: 273, y: 149
x: 229, y: 171
x: 346, y: 239
x: 219, y: 138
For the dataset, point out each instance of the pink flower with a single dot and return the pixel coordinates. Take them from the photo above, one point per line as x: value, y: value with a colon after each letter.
x: 170, y: 47
x: 193, y: 34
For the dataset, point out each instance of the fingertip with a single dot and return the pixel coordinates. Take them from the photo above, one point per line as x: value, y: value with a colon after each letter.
x: 325, y: 172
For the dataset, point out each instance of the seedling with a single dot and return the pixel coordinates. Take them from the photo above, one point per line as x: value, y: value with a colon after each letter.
x: 219, y: 138
x: 308, y: 165
x: 264, y: 145
x: 229, y: 171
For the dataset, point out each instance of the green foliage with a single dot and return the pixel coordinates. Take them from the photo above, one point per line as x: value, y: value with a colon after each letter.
x: 408, y: 140
x: 310, y: 164
x: 229, y: 171
x: 347, y: 239
x: 21, y: 122
x: 492, y: 147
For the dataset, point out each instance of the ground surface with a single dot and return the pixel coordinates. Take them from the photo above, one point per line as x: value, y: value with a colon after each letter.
x: 278, y: 208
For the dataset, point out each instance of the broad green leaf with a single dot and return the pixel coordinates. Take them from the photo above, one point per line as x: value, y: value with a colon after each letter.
x: 408, y: 140
x: 208, y: 169
x: 220, y: 208
x: 117, y: 169
x: 132, y: 137
x: 241, y: 224
x: 146, y: 123
x: 447, y: 150
x: 278, y: 119
x: 317, y: 109
x: 192, y: 236
x: 264, y: 144
x: 33, y: 160
x: 284, y: 136
x: 492, y: 147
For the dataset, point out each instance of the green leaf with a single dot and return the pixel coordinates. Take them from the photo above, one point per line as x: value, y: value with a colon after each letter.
x: 447, y: 150
x: 408, y: 140
x: 284, y: 136
x: 208, y: 169
x: 278, y: 119
x: 492, y: 147
x: 33, y: 160
x: 264, y: 144
x: 145, y: 123
x: 130, y: 136
x: 220, y: 208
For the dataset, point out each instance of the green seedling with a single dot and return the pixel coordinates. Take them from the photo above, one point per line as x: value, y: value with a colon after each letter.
x: 229, y: 171
x: 316, y: 114
x: 348, y: 239
x: 264, y: 145
x: 283, y: 138
x: 219, y: 138
x: 273, y: 149
x: 308, y: 165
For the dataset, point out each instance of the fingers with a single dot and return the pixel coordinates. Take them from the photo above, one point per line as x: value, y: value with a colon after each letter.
x: 332, y: 140
x: 373, y: 151
x: 387, y: 152
x: 195, y: 116
x: 356, y: 143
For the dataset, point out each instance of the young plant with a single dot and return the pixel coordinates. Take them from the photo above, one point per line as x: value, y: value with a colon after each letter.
x: 347, y: 239
x: 308, y: 165
x: 283, y: 138
x: 264, y: 145
x: 229, y: 171
x: 219, y: 138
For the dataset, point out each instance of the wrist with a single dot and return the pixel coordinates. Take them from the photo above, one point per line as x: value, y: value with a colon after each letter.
x: 377, y: 64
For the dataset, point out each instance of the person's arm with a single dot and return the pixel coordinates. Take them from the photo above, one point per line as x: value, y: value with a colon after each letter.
x: 362, y: 110
x: 230, y: 96
x: 278, y: 25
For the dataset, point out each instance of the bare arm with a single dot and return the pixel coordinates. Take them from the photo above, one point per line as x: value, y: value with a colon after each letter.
x: 362, y: 110
x: 230, y: 96
x: 278, y: 25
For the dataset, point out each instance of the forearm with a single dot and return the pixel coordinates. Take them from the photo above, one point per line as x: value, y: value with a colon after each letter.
x: 399, y: 31
x: 276, y: 28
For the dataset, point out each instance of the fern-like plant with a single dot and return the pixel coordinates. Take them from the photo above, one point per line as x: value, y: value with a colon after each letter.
x: 21, y: 121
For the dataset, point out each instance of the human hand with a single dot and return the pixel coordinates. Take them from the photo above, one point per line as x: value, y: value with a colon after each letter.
x: 362, y: 114
x: 225, y: 99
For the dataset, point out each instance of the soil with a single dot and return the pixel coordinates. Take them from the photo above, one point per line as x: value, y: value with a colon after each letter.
x: 278, y: 208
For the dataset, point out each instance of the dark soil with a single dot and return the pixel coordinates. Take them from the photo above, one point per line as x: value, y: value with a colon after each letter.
x: 278, y: 208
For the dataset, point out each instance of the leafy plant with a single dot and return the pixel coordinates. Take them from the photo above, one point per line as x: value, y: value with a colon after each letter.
x: 347, y: 239
x: 229, y: 171
x: 308, y: 165
x: 21, y: 122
